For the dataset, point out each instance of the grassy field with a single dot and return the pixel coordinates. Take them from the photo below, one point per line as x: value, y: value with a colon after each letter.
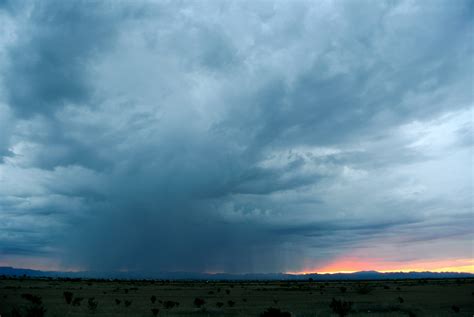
x: 29, y: 297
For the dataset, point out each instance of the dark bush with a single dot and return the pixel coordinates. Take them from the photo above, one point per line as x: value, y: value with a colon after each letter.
x: 343, y: 289
x: 127, y: 303
x: 155, y: 311
x: 117, y: 301
x: 77, y: 301
x: 455, y: 308
x: 68, y: 297
x: 275, y: 312
x: 227, y: 291
x: 153, y: 299
x: 364, y: 289
x: 92, y: 304
x: 340, y: 307
x: 170, y: 304
x: 231, y: 303
x: 35, y: 311
x: 198, y: 302
x: 400, y: 299
x: 32, y: 298
x: 15, y: 312
x: 219, y: 304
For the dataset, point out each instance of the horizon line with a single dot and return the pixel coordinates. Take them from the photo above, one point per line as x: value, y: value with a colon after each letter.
x: 246, y: 273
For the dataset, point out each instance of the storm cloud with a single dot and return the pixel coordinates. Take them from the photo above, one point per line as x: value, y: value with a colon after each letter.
x: 234, y: 136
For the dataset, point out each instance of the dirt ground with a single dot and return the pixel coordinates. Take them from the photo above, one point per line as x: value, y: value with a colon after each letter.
x: 30, y: 297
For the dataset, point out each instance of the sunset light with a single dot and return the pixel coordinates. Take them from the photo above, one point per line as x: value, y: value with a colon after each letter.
x: 350, y: 265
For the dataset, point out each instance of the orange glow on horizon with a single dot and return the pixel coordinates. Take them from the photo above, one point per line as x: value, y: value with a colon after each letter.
x: 351, y: 265
x: 37, y: 263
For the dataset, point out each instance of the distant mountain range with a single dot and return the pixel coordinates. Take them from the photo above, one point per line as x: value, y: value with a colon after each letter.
x: 364, y: 275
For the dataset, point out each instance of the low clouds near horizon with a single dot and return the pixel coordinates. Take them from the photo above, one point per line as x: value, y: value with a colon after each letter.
x: 235, y: 136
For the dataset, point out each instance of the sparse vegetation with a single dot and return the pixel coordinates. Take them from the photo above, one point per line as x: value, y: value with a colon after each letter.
x: 340, y: 307
x: 92, y: 304
x: 35, y: 311
x: 364, y: 289
x: 38, y: 297
x: 275, y: 312
x: 77, y: 301
x: 198, y: 302
x: 170, y: 304
x: 15, y: 312
x: 68, y: 297
x: 455, y: 309
x: 36, y: 300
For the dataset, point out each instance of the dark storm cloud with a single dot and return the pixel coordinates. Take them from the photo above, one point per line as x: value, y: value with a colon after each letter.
x: 49, y: 63
x: 174, y: 136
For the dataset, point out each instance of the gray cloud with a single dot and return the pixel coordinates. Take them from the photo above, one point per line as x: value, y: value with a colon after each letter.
x: 159, y: 136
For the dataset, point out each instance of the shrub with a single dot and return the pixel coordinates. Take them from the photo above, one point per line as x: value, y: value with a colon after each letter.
x: 35, y: 311
x: 77, y: 301
x: 68, y: 297
x: 455, y: 308
x: 32, y: 298
x: 231, y: 303
x: 275, y: 312
x: 198, y: 302
x: 364, y: 289
x: 170, y: 304
x: 400, y: 299
x: 92, y: 304
x: 15, y: 312
x: 153, y: 299
x: 117, y: 301
x: 343, y: 289
x: 219, y: 304
x: 127, y: 303
x: 155, y: 311
x: 227, y: 291
x: 340, y: 307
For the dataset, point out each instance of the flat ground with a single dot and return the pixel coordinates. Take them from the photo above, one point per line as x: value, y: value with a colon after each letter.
x: 370, y: 298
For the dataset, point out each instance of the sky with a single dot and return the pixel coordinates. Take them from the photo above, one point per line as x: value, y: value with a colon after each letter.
x: 237, y: 136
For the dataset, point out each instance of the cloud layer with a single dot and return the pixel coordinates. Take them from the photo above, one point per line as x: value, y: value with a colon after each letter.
x: 234, y: 136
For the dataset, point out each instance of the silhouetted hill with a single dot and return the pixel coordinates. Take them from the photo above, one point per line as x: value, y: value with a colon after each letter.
x: 363, y: 275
